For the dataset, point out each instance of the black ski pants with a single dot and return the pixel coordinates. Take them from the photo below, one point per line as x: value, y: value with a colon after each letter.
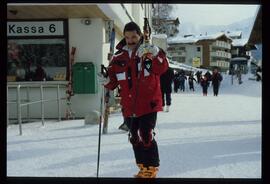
x: 182, y: 85
x: 204, y: 88
x: 191, y: 86
x: 176, y: 86
x: 167, y: 99
x: 215, y: 89
x: 142, y: 139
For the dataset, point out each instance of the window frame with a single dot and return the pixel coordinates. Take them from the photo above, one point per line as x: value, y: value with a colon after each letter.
x: 65, y: 36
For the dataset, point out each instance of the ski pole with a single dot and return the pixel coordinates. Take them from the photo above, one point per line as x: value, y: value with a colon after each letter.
x: 99, y: 131
x: 107, y: 92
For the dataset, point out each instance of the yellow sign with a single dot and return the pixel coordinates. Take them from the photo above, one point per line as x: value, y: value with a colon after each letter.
x: 196, y: 62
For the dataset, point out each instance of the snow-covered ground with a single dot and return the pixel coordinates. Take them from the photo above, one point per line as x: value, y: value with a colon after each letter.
x: 201, y: 137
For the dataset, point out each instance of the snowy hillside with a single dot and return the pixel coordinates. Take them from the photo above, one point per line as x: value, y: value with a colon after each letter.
x: 201, y: 137
x: 244, y: 25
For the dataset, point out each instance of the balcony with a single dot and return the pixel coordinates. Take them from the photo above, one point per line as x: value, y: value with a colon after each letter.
x: 221, y: 44
x: 221, y: 54
x: 178, y: 54
x: 220, y: 63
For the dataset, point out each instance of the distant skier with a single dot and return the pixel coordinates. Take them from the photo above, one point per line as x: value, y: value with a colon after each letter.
x: 190, y: 81
x: 198, y: 75
x: 182, y: 79
x: 208, y: 77
x: 204, y: 84
x: 166, y: 80
x: 216, y: 79
x: 176, y: 82
x: 239, y: 75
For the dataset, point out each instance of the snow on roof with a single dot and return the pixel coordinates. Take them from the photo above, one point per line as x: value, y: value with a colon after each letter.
x: 190, y: 39
x: 163, y: 36
x: 239, y: 42
x: 212, y: 36
x: 234, y: 33
x: 194, y: 39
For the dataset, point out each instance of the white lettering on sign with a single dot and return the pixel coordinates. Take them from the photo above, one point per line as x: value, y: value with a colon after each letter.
x: 34, y: 28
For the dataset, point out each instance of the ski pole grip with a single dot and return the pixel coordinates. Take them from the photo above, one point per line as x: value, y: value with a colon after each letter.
x: 104, y: 71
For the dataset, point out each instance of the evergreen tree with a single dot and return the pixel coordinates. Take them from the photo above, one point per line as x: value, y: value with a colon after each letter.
x: 162, y: 13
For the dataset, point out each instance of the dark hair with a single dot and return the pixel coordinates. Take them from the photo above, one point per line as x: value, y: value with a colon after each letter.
x: 132, y: 26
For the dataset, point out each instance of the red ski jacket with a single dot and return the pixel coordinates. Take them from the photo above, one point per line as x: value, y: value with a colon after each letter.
x: 139, y: 82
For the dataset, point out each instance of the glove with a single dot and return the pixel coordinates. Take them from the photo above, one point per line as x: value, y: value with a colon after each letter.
x: 147, y: 49
x: 148, y: 64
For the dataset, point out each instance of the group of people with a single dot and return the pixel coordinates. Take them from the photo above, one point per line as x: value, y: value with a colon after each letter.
x: 179, y: 80
x: 215, y: 78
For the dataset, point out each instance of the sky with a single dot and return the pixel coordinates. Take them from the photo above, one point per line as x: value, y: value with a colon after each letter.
x: 204, y: 14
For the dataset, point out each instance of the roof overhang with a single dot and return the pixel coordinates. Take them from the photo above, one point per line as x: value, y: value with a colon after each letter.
x: 53, y: 11
x: 25, y: 11
x: 256, y: 32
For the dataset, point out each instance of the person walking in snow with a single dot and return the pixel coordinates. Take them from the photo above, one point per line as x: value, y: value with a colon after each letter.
x: 176, y: 82
x: 190, y: 81
x: 239, y: 75
x: 140, y: 94
x: 182, y: 79
x: 208, y: 77
x: 204, y: 84
x: 166, y: 80
x: 216, y: 79
x: 198, y: 75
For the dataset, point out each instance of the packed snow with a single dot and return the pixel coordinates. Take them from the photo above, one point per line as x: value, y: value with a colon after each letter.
x: 201, y: 137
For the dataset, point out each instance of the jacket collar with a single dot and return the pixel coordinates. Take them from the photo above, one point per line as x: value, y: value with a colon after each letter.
x: 122, y: 45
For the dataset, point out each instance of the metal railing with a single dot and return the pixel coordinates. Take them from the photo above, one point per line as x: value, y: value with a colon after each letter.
x: 19, y: 101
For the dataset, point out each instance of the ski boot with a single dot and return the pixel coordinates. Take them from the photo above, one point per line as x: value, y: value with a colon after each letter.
x: 147, y: 172
x: 140, y: 173
x: 123, y: 127
x: 150, y: 172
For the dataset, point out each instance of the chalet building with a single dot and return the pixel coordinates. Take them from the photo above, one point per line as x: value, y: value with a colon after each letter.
x: 216, y: 50
x: 240, y: 46
x: 211, y: 50
x: 185, y: 50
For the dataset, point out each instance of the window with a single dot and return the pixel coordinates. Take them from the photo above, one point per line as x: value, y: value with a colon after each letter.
x: 182, y: 48
x: 36, y: 59
x: 182, y: 59
x: 198, y: 49
x: 176, y: 59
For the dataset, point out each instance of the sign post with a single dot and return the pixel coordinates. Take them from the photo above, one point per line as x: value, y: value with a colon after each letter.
x: 196, y: 62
